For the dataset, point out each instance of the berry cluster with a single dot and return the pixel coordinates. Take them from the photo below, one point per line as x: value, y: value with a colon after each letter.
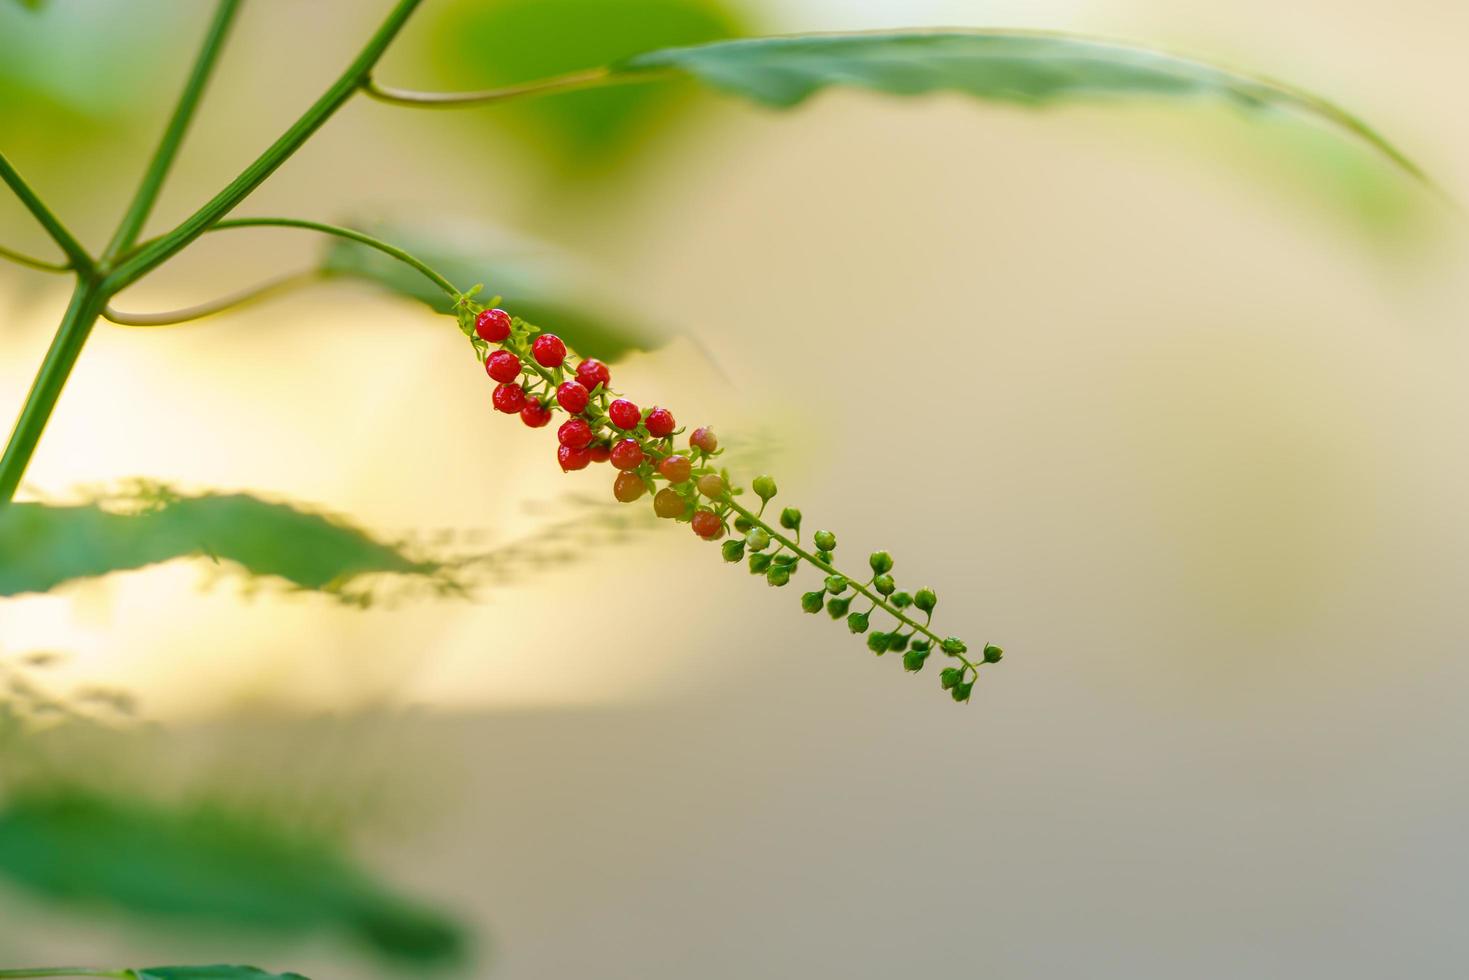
x: 534, y: 380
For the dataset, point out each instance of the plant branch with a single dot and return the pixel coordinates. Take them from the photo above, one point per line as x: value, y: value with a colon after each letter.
x: 570, y: 82
x: 244, y: 297
x: 63, y: 971
x: 351, y: 234
x: 80, y: 260
x: 149, y: 256
x: 20, y: 258
x: 173, y: 135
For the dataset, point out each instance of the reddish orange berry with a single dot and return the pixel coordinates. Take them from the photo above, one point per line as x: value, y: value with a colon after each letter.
x: 707, y: 525
x: 548, y: 350
x: 627, y: 454
x: 703, y: 438
x: 667, y: 503
x: 675, y: 469
x: 509, y: 398
x: 628, y: 487
x: 660, y: 423
x: 492, y: 325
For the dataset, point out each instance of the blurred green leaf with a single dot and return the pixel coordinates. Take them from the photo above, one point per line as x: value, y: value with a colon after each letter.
x: 537, y: 282
x: 206, y: 867
x: 217, y: 972
x: 1031, y: 69
x: 31, y: 4
x: 484, y: 44
x: 44, y: 545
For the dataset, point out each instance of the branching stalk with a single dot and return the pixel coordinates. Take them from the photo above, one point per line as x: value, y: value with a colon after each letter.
x: 80, y: 259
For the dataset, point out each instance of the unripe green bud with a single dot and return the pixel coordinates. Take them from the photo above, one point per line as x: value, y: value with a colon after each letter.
x: 881, y: 562
x: 778, y: 575
x: 960, y: 692
x: 811, y: 601
x: 857, y: 622
x: 836, y: 584
x: 950, y: 676
x: 897, y: 642
x: 790, y: 519
x: 758, y: 539
x: 764, y: 487
x: 759, y: 563
x: 733, y: 549
x: 953, y: 646
x: 992, y: 653
x: 884, y: 584
x: 824, y: 556
x: 786, y: 558
x: 877, y: 642
x: 838, y: 607
x: 901, y: 600
x: 925, y: 599
x: 825, y: 540
x: 913, y: 660
x: 743, y: 523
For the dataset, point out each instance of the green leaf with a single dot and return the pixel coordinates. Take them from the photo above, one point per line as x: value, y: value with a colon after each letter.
x: 488, y: 43
x: 43, y: 545
x: 217, y: 972
x: 537, y: 282
x: 1027, y: 68
x: 203, y: 866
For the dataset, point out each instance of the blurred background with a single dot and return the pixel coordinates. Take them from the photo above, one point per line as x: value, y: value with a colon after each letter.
x: 1165, y: 399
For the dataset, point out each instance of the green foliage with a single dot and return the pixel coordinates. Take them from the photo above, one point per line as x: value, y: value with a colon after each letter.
x: 536, y: 281
x: 497, y: 42
x: 43, y: 545
x: 1026, y: 68
x: 207, y: 868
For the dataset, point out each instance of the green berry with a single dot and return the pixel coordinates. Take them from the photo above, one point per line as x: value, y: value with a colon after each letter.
x: 960, y: 692
x: 884, y: 584
x: 811, y: 601
x: 953, y: 646
x: 913, y: 659
x: 877, y: 642
x: 778, y: 575
x: 881, y: 562
x: 743, y: 523
x: 857, y: 622
x: 759, y: 564
x: 790, y: 519
x: 825, y: 540
x: 950, y: 676
x: 897, y: 642
x: 837, y: 608
x: 733, y: 549
x: 925, y: 599
x: 758, y: 539
x: 824, y: 556
x: 836, y: 584
x: 924, y: 645
x: 764, y: 487
x: 901, y: 600
x: 786, y: 558
x: 992, y: 653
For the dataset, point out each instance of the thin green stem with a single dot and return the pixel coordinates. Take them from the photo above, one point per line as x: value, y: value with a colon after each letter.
x: 63, y: 971
x: 173, y: 134
x: 569, y: 82
x: 140, y: 261
x: 877, y: 599
x: 349, y: 233
x: 30, y: 262
x: 86, y: 304
x: 80, y: 260
x: 244, y: 297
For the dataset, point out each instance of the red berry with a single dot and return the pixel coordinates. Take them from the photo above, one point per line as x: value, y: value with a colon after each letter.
x: 627, y: 454
x: 624, y: 414
x: 675, y: 468
x: 703, y: 438
x: 509, y: 398
x: 707, y: 525
x: 503, y: 366
x: 600, y: 453
x: 548, y: 350
x: 573, y: 396
x: 593, y: 372
x: 574, y: 434
x: 660, y: 423
x: 493, y: 325
x: 535, y: 414
x: 667, y: 503
x: 572, y: 459
x: 628, y: 487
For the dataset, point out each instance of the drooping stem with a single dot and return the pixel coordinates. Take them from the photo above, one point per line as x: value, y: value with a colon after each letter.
x: 173, y: 134
x: 454, y: 100
x: 244, y: 297
x: 86, y: 305
x: 31, y: 262
x: 64, y: 971
x: 79, y: 259
x: 138, y: 262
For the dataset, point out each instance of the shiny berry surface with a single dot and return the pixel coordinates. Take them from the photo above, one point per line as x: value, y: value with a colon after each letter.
x: 574, y: 434
x: 593, y: 372
x: 624, y: 414
x: 703, y: 438
x: 660, y: 423
x: 627, y: 454
x: 573, y: 397
x: 492, y: 325
x: 711, y: 486
x: 628, y: 487
x: 667, y: 503
x: 503, y: 366
x: 675, y: 469
x: 707, y: 525
x: 509, y: 398
x: 535, y: 415
x: 548, y: 350
x: 572, y: 459
x: 600, y: 452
